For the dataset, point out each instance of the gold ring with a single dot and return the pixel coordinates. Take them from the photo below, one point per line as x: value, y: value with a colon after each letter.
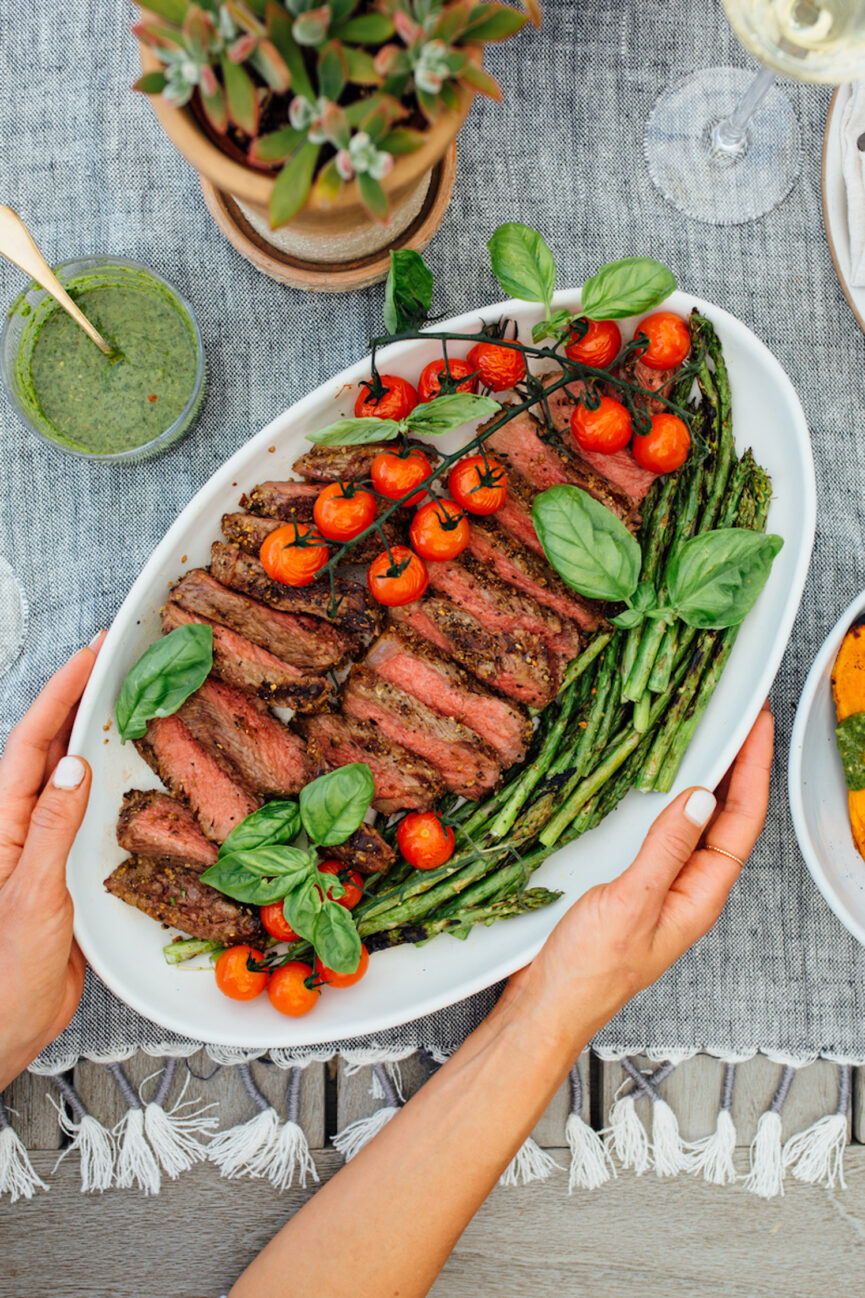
x: 722, y: 852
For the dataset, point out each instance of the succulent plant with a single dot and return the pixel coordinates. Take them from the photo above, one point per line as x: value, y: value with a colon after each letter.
x: 324, y: 94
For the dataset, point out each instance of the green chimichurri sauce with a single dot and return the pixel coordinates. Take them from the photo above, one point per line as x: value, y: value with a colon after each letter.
x: 105, y: 405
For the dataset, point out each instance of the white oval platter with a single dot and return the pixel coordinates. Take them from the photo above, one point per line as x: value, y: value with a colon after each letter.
x: 125, y: 947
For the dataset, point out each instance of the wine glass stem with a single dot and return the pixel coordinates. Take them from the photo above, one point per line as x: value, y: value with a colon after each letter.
x: 730, y: 136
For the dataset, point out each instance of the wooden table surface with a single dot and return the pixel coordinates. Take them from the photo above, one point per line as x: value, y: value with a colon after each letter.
x: 679, y: 1237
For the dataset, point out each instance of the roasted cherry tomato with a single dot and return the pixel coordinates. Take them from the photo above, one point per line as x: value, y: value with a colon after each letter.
x: 477, y: 485
x: 430, y: 381
x: 666, y: 447
x: 424, y: 841
x: 669, y: 340
x: 342, y: 510
x: 439, y: 530
x: 350, y: 880
x: 332, y: 979
x: 293, y: 554
x: 397, y: 578
x: 606, y: 429
x: 499, y: 367
x: 394, y: 474
x: 396, y: 402
x: 288, y: 991
x: 599, y: 345
x: 234, y: 979
x: 273, y: 919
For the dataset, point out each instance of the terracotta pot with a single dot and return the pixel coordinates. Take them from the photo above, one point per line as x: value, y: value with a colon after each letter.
x: 340, y: 231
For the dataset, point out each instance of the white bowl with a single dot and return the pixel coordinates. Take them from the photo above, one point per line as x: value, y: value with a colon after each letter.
x: 818, y: 790
x: 125, y: 947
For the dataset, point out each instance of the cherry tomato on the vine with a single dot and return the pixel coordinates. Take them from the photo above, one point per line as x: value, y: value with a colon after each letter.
x: 478, y: 485
x: 669, y: 340
x: 350, y: 880
x: 666, y: 447
x: 398, y: 577
x: 288, y: 992
x: 273, y: 919
x: 332, y: 979
x: 342, y: 510
x: 393, y: 474
x: 424, y: 841
x: 439, y: 530
x: 499, y: 367
x: 430, y: 381
x: 234, y: 979
x: 606, y: 429
x: 395, y: 402
x: 293, y: 554
x: 599, y: 345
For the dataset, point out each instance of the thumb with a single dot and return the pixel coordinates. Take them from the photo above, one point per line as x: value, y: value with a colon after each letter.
x: 55, y: 821
x: 669, y: 845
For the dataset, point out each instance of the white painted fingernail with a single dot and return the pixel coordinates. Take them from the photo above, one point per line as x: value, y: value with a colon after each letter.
x: 68, y: 773
x: 699, y: 807
x: 95, y: 641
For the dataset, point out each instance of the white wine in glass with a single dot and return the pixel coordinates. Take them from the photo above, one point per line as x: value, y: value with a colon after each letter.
x: 724, y: 146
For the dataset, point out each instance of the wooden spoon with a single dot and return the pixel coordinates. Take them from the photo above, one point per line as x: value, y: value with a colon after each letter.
x: 17, y: 243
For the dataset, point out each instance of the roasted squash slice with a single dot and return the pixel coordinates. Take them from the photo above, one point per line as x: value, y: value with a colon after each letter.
x: 848, y: 691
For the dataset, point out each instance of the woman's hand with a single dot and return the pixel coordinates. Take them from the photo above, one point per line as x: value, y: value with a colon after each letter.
x: 621, y: 936
x: 43, y: 797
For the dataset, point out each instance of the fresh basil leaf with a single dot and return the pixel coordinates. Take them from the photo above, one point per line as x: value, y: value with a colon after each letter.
x: 523, y: 264
x: 629, y: 618
x: 356, y: 432
x: 590, y: 549
x: 163, y: 678
x: 850, y: 735
x: 555, y: 326
x: 336, y: 939
x: 302, y: 907
x: 275, y: 822
x: 714, y: 579
x: 627, y: 287
x: 446, y: 413
x: 261, y: 876
x: 407, y: 292
x: 333, y: 806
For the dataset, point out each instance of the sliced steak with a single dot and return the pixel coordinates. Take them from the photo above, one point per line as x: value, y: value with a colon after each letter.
x: 365, y: 851
x: 192, y: 773
x: 551, y: 463
x: 356, y: 610
x: 226, y: 721
x: 152, y: 824
x: 283, y: 500
x: 515, y: 515
x: 403, y: 781
x: 239, y: 662
x: 415, y: 666
x: 249, y: 530
x: 515, y: 665
x: 304, y: 642
x: 467, y: 765
x: 516, y: 565
x: 175, y: 895
x: 498, y: 607
x: 620, y: 469
x: 348, y: 463
x: 635, y: 370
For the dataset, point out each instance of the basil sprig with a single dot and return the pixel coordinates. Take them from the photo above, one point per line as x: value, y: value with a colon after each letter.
x: 712, y: 581
x: 258, y: 865
x: 407, y: 292
x: 627, y: 287
x: 434, y: 418
x: 163, y: 678
x: 523, y: 263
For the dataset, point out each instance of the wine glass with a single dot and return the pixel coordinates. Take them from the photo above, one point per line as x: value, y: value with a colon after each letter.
x: 14, y: 617
x: 724, y: 146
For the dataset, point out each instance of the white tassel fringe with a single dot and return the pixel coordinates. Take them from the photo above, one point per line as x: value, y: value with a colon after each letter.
x: 672, y: 1155
x: 136, y: 1162
x: 713, y: 1155
x: 288, y: 1155
x: 94, y: 1145
x: 591, y: 1164
x: 351, y: 1140
x: 530, y: 1163
x: 766, y: 1177
x: 174, y: 1136
x: 626, y: 1136
x: 816, y: 1155
x: 17, y: 1176
x: 234, y: 1151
